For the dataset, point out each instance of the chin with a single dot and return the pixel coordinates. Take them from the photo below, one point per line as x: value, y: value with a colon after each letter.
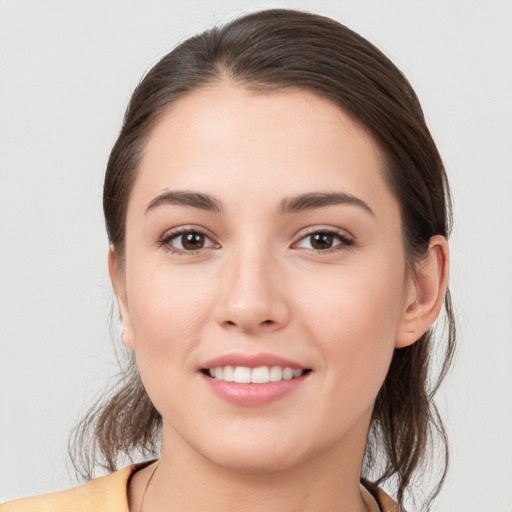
x: 264, y: 455
x: 255, y: 462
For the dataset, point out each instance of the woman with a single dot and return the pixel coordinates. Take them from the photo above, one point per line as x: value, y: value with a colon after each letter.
x: 278, y: 215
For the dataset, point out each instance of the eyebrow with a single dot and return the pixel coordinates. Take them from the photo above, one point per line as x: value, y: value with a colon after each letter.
x: 314, y: 200
x: 184, y: 198
x: 288, y: 205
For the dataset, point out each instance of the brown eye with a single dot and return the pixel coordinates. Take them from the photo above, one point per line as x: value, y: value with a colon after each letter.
x: 325, y: 241
x: 322, y: 240
x: 192, y: 241
x: 186, y: 242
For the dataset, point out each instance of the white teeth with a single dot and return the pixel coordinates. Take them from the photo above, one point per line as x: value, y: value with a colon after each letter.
x: 260, y: 375
x: 243, y: 375
x: 287, y: 374
x: 229, y: 374
x: 276, y: 374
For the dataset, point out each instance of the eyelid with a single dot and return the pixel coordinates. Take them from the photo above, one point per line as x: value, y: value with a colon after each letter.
x: 174, y: 233
x: 319, y: 228
x: 347, y: 240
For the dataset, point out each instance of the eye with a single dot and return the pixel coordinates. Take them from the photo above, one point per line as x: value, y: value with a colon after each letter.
x: 186, y: 242
x: 325, y: 240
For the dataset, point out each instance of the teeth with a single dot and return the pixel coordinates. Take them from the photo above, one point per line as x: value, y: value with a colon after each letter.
x: 276, y: 373
x: 242, y: 375
x: 287, y: 374
x: 260, y: 375
x: 228, y: 374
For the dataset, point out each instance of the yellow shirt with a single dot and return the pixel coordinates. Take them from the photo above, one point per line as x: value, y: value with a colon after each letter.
x: 109, y: 494
x: 104, y: 494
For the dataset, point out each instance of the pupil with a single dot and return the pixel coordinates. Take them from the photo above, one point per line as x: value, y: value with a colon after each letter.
x: 321, y: 240
x: 193, y: 241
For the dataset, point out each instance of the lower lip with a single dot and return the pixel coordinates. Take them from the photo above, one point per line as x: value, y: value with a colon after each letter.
x: 252, y: 395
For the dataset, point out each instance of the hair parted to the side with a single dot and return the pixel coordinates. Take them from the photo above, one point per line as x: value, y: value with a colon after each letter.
x: 271, y: 50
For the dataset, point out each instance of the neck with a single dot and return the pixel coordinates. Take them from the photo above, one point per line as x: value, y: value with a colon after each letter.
x: 185, y: 480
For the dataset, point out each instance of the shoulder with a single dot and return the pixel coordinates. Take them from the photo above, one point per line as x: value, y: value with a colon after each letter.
x: 104, y: 494
x: 385, y: 502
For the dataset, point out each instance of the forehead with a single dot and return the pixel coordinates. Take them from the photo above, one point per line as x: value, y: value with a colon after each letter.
x: 288, y: 116
x: 225, y: 138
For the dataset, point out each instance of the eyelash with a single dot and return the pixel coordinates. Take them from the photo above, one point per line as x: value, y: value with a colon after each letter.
x: 165, y: 241
x: 346, y: 242
x: 168, y: 237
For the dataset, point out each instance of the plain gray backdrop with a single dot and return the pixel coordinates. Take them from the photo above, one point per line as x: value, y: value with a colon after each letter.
x: 67, y: 69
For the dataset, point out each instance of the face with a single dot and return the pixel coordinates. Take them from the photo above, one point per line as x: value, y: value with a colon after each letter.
x: 262, y: 243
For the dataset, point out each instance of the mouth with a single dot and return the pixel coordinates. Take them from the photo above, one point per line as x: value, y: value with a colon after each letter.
x: 259, y: 375
x: 253, y: 380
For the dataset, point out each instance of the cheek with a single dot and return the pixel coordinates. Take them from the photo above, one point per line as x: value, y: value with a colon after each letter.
x: 354, y: 318
x: 168, y: 307
x: 350, y: 303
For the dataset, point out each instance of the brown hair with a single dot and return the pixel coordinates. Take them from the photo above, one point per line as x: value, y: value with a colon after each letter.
x: 278, y: 49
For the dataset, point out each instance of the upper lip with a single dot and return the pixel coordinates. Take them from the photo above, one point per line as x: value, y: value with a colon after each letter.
x: 252, y: 361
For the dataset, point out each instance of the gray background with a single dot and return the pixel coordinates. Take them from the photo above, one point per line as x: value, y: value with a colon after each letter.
x: 67, y: 69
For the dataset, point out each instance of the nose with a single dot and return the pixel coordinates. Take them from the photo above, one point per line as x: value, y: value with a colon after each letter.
x: 253, y: 295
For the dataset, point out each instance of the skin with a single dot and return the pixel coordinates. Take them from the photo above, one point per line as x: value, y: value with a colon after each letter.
x: 259, y: 284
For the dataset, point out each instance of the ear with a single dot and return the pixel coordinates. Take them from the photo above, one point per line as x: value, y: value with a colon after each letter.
x: 425, y: 293
x: 118, y: 283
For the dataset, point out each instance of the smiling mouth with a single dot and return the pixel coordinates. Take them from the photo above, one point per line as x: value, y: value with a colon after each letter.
x: 259, y: 375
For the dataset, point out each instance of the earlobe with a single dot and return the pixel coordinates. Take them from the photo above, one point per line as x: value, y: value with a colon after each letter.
x: 425, y: 294
x: 118, y: 283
